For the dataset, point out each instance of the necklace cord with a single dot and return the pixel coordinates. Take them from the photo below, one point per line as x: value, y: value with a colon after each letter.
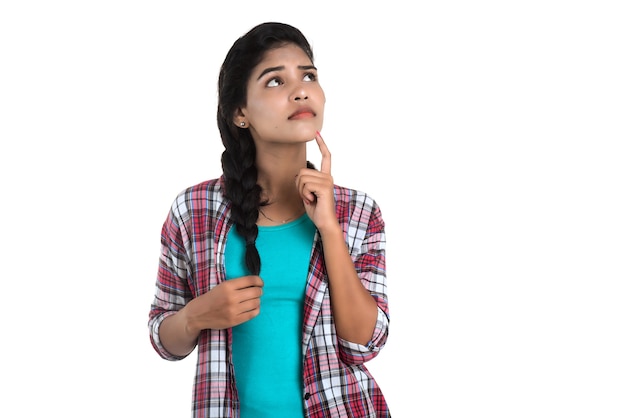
x: 276, y: 222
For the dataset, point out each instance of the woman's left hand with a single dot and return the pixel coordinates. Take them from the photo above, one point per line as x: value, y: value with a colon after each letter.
x: 316, y: 190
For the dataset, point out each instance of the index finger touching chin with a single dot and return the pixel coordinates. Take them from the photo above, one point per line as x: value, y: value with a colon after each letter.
x: 325, y: 153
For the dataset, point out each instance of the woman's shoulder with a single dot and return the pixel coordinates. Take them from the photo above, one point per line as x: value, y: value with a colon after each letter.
x: 358, y: 208
x: 347, y: 195
x: 200, y: 195
x: 211, y: 186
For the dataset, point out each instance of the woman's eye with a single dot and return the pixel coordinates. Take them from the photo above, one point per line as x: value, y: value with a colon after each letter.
x: 310, y: 77
x: 274, y: 82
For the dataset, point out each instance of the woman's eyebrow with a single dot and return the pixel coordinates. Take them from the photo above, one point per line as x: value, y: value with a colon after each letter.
x: 282, y: 67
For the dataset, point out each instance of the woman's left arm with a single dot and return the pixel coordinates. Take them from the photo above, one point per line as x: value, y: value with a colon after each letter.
x: 355, y: 310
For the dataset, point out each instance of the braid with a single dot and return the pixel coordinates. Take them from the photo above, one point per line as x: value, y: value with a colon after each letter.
x: 241, y: 188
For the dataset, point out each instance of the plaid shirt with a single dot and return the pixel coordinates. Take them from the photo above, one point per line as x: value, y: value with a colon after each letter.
x: 336, y: 381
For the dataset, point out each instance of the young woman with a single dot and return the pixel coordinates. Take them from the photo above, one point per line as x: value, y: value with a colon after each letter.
x: 272, y: 271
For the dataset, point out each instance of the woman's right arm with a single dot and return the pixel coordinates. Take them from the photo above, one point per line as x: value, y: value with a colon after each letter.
x: 228, y: 304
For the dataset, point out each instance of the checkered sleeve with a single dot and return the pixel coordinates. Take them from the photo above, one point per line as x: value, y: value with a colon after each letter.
x: 366, y: 241
x: 172, y: 291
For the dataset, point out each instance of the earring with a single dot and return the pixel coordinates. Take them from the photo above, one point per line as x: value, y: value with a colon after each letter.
x: 242, y: 124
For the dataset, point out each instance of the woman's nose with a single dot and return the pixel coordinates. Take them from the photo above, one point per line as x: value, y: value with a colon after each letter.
x: 299, y: 93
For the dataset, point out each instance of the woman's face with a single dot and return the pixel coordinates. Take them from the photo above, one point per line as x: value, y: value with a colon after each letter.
x: 285, y: 102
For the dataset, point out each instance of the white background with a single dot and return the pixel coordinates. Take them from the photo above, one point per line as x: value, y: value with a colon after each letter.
x: 490, y: 133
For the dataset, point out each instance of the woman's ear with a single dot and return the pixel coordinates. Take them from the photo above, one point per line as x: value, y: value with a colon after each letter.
x: 240, y: 119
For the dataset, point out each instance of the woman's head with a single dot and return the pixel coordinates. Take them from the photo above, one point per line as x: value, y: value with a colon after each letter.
x: 239, y: 156
x: 244, y: 55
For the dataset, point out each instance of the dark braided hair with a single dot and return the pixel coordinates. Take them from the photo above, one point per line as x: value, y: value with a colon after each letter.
x: 239, y: 156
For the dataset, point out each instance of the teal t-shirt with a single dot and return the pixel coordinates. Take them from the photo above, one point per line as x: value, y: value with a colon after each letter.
x: 267, y: 350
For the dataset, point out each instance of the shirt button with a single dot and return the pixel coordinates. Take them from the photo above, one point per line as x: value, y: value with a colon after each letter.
x: 307, y: 396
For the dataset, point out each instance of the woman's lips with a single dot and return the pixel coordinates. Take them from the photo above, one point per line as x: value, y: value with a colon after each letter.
x: 303, y: 113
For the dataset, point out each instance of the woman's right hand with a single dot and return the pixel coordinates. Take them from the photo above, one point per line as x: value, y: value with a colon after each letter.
x: 228, y: 304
